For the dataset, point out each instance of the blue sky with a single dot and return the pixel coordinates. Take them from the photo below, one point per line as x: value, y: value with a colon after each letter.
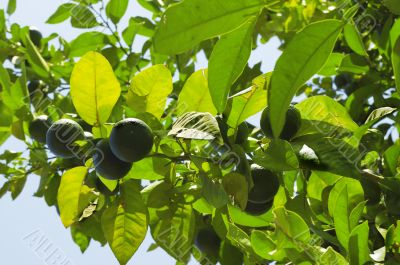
x: 28, y: 217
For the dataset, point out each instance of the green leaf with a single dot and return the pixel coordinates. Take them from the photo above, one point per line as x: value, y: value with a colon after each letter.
x: 228, y: 60
x: 242, y: 218
x: 355, y: 194
x: 34, y: 57
x: 304, y: 56
x: 195, y: 95
x: 236, y: 186
x: 324, y: 115
x: 69, y: 194
x: 150, y: 168
x: 11, y: 7
x: 182, y: 27
x: 331, y: 257
x: 396, y: 62
x: 354, y: 39
x: 262, y: 244
x: 393, y: 6
x: 332, y: 65
x: 149, y: 90
x: 290, y: 226
x: 354, y: 63
x: 116, y: 9
x: 341, y: 215
x: 278, y: 155
x: 82, y: 17
x: 173, y: 230
x: 14, y: 96
x: 86, y: 42
x: 94, y: 88
x: 80, y: 238
x: 62, y: 13
x: 358, y: 245
x: 125, y: 223
x: 249, y: 101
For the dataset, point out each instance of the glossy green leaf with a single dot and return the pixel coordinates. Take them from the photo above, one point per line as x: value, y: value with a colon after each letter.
x: 182, y: 27
x: 11, y: 7
x: 116, y: 9
x: 149, y: 90
x: 69, y: 193
x: 331, y: 257
x: 94, y: 88
x: 34, y: 57
x: 225, y: 67
x: 249, y: 101
x: 332, y: 65
x: 304, y: 56
x: 62, y: 13
x: 174, y: 231
x: 354, y: 63
x: 195, y: 95
x: 341, y: 215
x: 358, y: 245
x: 278, y: 155
x: 125, y: 222
x: 82, y: 17
x: 324, y: 115
x: 291, y: 224
x: 242, y: 218
x: 236, y: 187
x: 262, y: 244
x: 86, y: 42
x: 150, y: 168
x: 354, y: 39
x: 393, y: 6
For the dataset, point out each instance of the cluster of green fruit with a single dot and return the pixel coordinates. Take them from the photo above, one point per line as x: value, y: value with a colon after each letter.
x: 130, y: 140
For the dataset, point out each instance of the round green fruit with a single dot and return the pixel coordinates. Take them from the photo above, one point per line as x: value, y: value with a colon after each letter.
x: 208, y: 242
x: 292, y: 123
x: 131, y: 140
x: 34, y: 85
x: 35, y: 36
x: 257, y: 208
x: 107, y: 164
x: 61, y: 136
x: 266, y: 185
x: 242, y: 133
x: 104, y: 190
x: 38, y: 128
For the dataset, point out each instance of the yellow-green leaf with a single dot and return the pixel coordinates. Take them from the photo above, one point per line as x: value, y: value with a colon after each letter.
x: 69, y: 194
x: 94, y: 88
x: 125, y: 223
x: 195, y: 95
x: 149, y: 90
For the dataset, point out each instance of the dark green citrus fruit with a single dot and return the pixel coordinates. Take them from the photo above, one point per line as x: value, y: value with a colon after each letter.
x: 107, y: 164
x: 104, y: 190
x: 61, y: 136
x: 131, y: 140
x: 38, y: 128
x: 85, y: 126
x: 34, y: 85
x: 35, y: 36
x: 372, y: 140
x: 207, y: 241
x: 258, y: 208
x: 292, y: 123
x: 266, y: 185
x: 242, y: 133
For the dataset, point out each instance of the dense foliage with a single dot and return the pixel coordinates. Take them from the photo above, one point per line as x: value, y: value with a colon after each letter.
x: 125, y: 142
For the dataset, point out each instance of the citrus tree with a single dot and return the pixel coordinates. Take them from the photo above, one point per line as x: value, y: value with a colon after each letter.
x: 128, y: 142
